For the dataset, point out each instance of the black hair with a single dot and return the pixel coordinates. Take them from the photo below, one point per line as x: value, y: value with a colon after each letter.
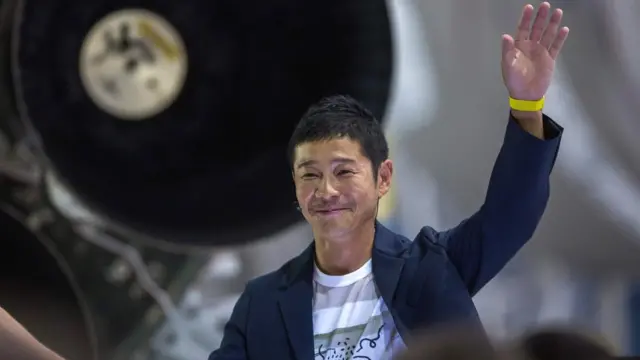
x: 559, y: 344
x: 450, y: 342
x: 341, y: 116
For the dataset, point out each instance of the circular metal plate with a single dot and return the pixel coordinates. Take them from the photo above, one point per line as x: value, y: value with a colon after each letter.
x: 211, y: 168
x: 133, y: 64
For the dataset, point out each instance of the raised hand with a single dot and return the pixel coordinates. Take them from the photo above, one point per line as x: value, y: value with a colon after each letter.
x: 528, y: 60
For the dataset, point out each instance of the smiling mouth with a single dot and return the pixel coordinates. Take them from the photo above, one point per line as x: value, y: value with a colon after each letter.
x: 330, y: 212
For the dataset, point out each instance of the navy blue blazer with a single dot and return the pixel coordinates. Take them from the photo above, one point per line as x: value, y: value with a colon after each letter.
x: 423, y: 282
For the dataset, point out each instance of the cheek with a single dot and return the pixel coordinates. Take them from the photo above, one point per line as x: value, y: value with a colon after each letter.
x: 303, y: 192
x: 364, y: 195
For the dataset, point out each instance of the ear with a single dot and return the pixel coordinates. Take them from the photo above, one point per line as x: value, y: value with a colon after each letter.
x: 385, y: 172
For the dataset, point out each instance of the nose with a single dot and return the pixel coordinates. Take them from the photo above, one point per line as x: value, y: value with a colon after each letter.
x: 326, y: 189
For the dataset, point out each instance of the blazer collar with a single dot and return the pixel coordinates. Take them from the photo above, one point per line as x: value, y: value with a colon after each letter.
x: 296, y: 298
x: 386, y: 255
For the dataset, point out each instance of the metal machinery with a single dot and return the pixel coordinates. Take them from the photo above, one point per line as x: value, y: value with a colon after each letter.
x: 141, y: 137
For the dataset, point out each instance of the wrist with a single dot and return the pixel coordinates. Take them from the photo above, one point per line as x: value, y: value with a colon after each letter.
x: 527, y: 116
x: 530, y: 121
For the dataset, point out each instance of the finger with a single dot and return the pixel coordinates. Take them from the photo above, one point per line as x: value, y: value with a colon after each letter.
x: 508, y: 44
x: 540, y: 22
x: 556, y: 47
x: 552, y: 29
x: 524, y: 26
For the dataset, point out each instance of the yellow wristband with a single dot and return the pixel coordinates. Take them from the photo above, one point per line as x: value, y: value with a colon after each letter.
x: 526, y: 105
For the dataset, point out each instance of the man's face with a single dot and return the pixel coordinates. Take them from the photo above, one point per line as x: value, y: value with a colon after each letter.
x: 335, y: 186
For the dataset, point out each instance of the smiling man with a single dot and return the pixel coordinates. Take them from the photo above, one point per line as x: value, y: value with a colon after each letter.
x: 359, y: 289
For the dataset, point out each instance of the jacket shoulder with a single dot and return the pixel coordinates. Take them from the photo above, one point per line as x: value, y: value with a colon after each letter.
x: 270, y: 281
x: 398, y: 245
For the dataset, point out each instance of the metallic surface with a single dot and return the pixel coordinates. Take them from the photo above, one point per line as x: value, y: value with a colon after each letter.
x: 139, y: 79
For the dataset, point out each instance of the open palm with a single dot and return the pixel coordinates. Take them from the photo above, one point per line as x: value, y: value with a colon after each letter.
x: 528, y: 60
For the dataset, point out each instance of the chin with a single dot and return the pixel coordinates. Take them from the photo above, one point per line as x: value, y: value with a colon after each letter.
x: 333, y: 227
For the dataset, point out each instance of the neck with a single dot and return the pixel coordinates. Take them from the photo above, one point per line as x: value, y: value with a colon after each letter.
x: 339, y: 256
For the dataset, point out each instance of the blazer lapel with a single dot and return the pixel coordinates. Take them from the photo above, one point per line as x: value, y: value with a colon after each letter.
x: 386, y: 262
x: 387, y: 268
x: 296, y: 305
x: 386, y: 272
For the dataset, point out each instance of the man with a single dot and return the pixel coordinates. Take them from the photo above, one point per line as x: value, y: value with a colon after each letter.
x: 359, y: 289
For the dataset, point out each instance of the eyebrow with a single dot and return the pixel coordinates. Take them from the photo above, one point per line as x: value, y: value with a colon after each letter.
x: 335, y: 160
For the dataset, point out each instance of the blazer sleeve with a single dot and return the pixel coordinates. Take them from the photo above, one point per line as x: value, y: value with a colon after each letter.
x: 234, y: 342
x: 480, y: 246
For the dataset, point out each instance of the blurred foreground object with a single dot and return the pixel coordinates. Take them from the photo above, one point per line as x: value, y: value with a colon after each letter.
x: 38, y: 290
x: 559, y: 344
x: 451, y: 343
x: 549, y: 343
x: 16, y: 343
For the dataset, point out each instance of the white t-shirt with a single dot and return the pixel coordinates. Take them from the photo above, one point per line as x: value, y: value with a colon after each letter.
x: 350, y: 318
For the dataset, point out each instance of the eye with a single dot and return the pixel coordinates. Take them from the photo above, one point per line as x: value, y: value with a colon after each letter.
x: 307, y: 176
x: 345, y: 172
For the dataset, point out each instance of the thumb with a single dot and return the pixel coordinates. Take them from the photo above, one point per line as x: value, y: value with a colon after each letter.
x: 508, y: 44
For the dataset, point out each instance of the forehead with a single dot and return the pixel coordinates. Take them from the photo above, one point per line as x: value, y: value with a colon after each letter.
x: 329, y: 150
